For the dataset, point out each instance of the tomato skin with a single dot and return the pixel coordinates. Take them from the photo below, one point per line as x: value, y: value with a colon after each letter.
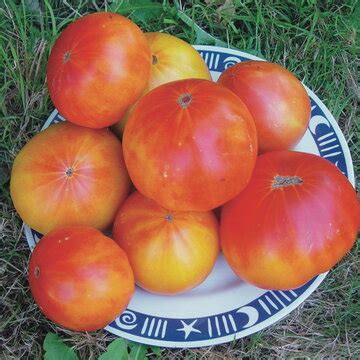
x: 172, y: 59
x: 80, y: 278
x: 199, y: 155
x: 170, y: 252
x: 275, y: 98
x: 279, y: 238
x: 98, y: 67
x: 69, y: 175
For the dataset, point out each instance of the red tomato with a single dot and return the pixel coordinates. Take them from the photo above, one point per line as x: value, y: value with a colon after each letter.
x: 69, y: 175
x: 80, y: 278
x: 172, y: 59
x: 275, y: 98
x: 190, y: 145
x: 169, y: 252
x: 98, y: 67
x: 296, y: 219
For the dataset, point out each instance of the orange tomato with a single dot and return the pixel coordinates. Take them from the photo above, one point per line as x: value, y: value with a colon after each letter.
x: 170, y: 252
x: 98, y: 67
x: 190, y: 145
x: 69, y: 175
x: 80, y: 278
x: 275, y: 98
x: 172, y: 59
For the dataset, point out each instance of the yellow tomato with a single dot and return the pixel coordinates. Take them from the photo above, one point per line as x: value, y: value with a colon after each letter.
x: 172, y: 59
x: 169, y: 251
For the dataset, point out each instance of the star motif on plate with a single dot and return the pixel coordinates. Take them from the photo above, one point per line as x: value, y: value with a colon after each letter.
x: 188, y: 328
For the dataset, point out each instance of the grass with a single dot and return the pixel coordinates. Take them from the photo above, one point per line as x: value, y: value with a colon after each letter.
x: 317, y: 40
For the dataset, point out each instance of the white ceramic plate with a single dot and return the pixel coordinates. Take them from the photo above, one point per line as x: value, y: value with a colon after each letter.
x: 223, y: 308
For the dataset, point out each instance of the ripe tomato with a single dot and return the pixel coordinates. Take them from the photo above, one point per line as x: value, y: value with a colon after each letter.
x: 169, y: 252
x: 172, y: 59
x: 80, y: 278
x: 296, y: 219
x: 98, y: 67
x: 190, y: 145
x: 275, y: 98
x: 69, y: 175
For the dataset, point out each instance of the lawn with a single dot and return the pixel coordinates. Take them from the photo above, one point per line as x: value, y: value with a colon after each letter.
x: 317, y: 40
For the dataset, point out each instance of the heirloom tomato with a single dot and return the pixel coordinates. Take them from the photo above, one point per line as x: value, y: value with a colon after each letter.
x: 169, y: 251
x: 98, y: 67
x: 80, y: 278
x: 275, y: 98
x: 172, y: 59
x: 298, y: 216
x: 69, y: 175
x: 190, y: 145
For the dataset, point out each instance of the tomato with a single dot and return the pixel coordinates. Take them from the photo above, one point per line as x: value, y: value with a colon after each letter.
x: 298, y: 216
x: 98, y: 67
x: 169, y: 251
x: 80, y: 278
x: 172, y: 59
x: 69, y: 175
x: 275, y: 98
x: 190, y: 145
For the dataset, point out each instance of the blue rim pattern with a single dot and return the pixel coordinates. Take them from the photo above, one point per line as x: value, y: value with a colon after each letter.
x: 187, y: 330
x: 197, y: 329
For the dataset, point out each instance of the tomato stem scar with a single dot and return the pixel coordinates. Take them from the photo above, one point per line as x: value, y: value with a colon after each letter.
x: 184, y: 100
x: 154, y: 60
x: 284, y: 181
x: 67, y: 56
x: 37, y: 271
x: 169, y: 217
x: 69, y: 172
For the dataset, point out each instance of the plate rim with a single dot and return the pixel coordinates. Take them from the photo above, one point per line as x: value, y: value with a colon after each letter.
x: 227, y: 338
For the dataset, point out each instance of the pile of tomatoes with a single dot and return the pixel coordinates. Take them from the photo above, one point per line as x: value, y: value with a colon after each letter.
x: 189, y: 146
